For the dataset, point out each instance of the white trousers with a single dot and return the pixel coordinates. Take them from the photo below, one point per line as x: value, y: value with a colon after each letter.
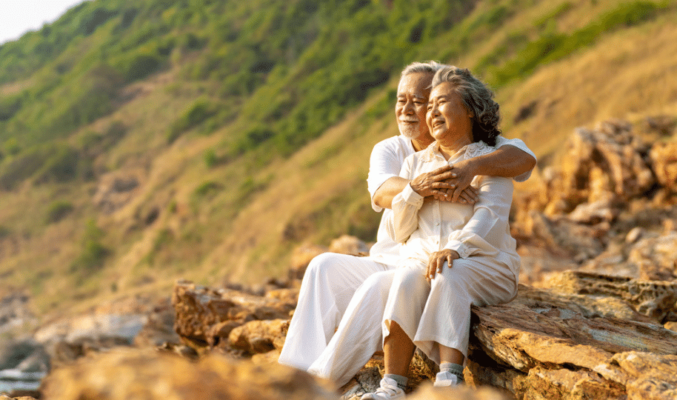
x: 429, y: 313
x: 327, y: 288
x: 438, y: 313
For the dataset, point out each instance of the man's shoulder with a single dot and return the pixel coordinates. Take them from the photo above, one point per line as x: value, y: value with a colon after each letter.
x: 394, y: 143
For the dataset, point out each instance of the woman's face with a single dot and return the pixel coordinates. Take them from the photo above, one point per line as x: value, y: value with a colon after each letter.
x: 447, y: 118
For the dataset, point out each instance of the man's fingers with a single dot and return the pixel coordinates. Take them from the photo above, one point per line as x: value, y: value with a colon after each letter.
x: 456, y: 195
x: 443, y: 185
x: 440, y: 264
x: 468, y: 199
x: 449, y: 261
x: 444, y: 176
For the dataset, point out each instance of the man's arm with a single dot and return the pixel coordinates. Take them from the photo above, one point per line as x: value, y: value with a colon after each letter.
x: 507, y: 161
x: 425, y: 185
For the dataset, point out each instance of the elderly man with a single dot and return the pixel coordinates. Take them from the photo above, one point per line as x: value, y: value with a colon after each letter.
x: 332, y: 280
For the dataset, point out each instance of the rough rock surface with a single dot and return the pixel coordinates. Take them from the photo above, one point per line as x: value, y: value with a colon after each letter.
x: 205, y: 315
x: 664, y: 158
x: 347, y: 244
x: 539, y: 348
x: 259, y: 336
x: 301, y: 257
x: 655, y: 299
x: 428, y: 392
x: 150, y: 375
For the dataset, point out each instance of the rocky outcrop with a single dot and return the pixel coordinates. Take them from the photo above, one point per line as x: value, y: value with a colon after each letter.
x: 546, y: 346
x: 259, y: 336
x: 124, y: 375
x: 664, y: 158
x: 655, y: 299
x: 350, y: 245
x: 205, y: 316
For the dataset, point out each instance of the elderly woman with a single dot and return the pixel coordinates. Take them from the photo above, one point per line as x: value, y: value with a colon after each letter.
x: 453, y: 255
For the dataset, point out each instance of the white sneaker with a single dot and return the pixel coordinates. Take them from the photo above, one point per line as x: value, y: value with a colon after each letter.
x: 388, y: 391
x: 446, y: 378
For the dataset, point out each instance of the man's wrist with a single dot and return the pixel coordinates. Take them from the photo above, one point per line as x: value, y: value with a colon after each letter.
x: 475, y: 166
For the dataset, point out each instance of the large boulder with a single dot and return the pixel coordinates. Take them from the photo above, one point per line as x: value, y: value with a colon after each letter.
x: 205, y: 315
x: 259, y: 336
x: 148, y: 375
x: 350, y: 245
x: 546, y: 346
x: 664, y: 158
x: 655, y: 299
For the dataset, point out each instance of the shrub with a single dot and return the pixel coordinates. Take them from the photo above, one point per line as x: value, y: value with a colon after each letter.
x: 93, y: 253
x: 58, y: 210
x: 139, y: 65
x: 61, y: 166
x: 194, y: 115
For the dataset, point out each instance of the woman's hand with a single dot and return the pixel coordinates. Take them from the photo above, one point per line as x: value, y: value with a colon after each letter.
x: 458, y: 186
x: 436, y: 262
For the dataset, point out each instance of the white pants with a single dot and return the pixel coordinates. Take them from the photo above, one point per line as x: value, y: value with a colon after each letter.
x: 429, y: 314
x: 328, y: 286
x: 359, y: 334
x: 438, y: 313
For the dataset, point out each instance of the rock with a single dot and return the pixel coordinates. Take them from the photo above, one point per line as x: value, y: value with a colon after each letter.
x: 259, y: 336
x: 270, y: 357
x: 159, y: 327
x: 579, y: 241
x: 645, y: 375
x: 367, y: 380
x: 199, y: 308
x: 301, y: 257
x: 347, y: 244
x: 656, y: 258
x: 654, y: 299
x: 593, y: 213
x: 14, y: 311
x: 634, y: 235
x: 537, y: 349
x: 123, y: 375
x: 664, y: 158
x: 587, y: 306
x: 288, y: 296
x: 428, y: 392
x: 118, y: 188
x: 671, y: 325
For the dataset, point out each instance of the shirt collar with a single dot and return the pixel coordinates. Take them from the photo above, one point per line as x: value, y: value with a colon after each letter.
x: 469, y: 151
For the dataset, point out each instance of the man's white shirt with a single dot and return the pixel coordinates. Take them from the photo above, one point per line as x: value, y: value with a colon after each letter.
x: 386, y: 162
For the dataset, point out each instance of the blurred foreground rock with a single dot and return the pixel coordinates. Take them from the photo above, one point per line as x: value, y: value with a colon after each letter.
x: 125, y: 375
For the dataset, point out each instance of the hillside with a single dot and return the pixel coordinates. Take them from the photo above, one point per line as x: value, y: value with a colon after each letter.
x: 206, y: 139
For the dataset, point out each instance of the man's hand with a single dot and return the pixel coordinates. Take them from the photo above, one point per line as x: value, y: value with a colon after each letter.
x: 457, y: 189
x: 436, y: 262
x: 426, y: 183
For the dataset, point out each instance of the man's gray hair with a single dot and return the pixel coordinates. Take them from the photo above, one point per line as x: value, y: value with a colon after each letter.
x: 478, y: 100
x: 430, y: 67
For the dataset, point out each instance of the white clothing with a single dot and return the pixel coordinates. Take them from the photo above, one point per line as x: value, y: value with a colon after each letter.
x: 331, y: 280
x: 471, y: 230
x: 386, y: 162
x: 328, y: 286
x: 359, y: 334
x: 439, y: 312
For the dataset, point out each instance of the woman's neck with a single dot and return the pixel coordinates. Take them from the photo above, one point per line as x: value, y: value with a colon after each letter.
x: 422, y: 142
x: 450, y: 147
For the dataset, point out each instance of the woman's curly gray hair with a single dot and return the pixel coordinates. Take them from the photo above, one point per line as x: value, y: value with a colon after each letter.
x: 478, y: 100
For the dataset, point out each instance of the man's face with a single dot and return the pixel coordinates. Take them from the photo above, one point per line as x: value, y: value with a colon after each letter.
x: 412, y: 102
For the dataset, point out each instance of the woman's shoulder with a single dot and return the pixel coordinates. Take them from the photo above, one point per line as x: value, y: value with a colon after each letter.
x: 477, y: 149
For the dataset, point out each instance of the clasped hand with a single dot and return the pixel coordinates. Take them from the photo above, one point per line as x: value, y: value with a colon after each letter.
x: 436, y: 262
x: 448, y: 183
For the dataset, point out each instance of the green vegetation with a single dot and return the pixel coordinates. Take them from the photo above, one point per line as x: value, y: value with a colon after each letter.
x: 58, y: 210
x: 247, y: 126
x: 552, y: 46
x: 93, y: 253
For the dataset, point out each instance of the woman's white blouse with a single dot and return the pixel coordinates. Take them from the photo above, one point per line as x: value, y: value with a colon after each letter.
x: 479, y: 230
